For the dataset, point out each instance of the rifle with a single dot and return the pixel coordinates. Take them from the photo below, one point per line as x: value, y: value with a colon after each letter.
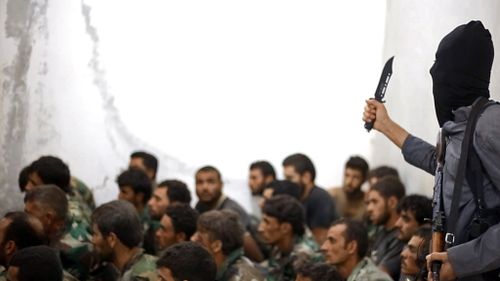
x: 438, y: 215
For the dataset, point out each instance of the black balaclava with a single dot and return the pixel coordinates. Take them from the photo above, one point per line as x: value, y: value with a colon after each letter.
x: 461, y: 72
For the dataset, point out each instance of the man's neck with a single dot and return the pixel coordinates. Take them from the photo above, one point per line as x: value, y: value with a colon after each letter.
x: 307, y: 190
x: 355, y: 195
x: 219, y: 260
x: 286, y: 245
x: 345, y: 269
x: 391, y: 222
x: 124, y: 255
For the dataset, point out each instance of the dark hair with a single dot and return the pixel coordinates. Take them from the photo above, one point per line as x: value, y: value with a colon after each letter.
x: 177, y: 191
x: 383, y: 171
x: 285, y: 187
x: 265, y: 167
x: 24, y: 177
x: 301, y: 163
x: 359, y: 164
x: 149, y: 160
x: 225, y: 226
x: 121, y: 218
x: 318, y: 271
x: 286, y: 209
x: 188, y: 261
x: 419, y: 205
x: 23, y: 230
x: 208, y: 169
x: 389, y: 186
x: 184, y: 218
x: 424, y: 232
x: 49, y: 197
x: 52, y: 170
x: 39, y: 263
x: 137, y: 180
x: 355, y: 231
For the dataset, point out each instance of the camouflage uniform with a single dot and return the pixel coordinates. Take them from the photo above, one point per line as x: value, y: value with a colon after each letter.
x: 366, y: 270
x: 84, y: 192
x: 281, y: 268
x: 238, y: 268
x: 75, y: 255
x: 142, y: 267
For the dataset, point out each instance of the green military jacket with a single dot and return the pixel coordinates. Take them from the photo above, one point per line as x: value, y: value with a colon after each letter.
x: 281, y: 267
x: 142, y: 267
x: 238, y: 268
x: 366, y: 270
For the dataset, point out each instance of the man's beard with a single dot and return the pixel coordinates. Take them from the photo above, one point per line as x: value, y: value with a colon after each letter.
x: 384, y: 218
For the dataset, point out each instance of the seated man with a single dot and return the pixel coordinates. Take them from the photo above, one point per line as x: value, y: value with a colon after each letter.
x: 221, y: 233
x: 413, y: 263
x: 413, y: 211
x: 346, y: 247
x: 261, y: 174
x: 52, y: 170
x: 49, y: 204
x: 39, y: 263
x: 349, y: 198
x: 117, y: 235
x: 18, y: 230
x: 177, y: 225
x: 186, y: 261
x: 135, y: 187
x: 318, y: 206
x: 383, y: 199
x: 166, y: 193
x: 283, y: 227
x: 209, y: 186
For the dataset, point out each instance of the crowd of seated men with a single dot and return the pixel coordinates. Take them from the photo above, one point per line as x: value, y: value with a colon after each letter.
x: 368, y: 228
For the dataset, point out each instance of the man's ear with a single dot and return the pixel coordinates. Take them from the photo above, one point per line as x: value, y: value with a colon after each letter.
x: 286, y: 228
x: 216, y: 246
x: 180, y: 237
x: 112, y: 239
x: 139, y: 198
x: 352, y: 247
x: 10, y: 247
x: 392, y: 202
x: 306, y: 177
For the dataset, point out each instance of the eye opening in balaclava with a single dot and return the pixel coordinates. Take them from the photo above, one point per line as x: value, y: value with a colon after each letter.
x: 461, y: 72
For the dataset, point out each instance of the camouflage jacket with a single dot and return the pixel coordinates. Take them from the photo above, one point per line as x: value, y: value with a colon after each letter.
x: 366, y: 270
x: 75, y: 256
x: 238, y: 268
x: 142, y: 267
x: 84, y: 192
x: 281, y: 267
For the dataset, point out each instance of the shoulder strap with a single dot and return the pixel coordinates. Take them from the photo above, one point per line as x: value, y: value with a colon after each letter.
x: 477, y: 107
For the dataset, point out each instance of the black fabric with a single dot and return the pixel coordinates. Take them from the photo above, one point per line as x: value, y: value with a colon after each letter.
x: 320, y: 209
x: 461, y: 72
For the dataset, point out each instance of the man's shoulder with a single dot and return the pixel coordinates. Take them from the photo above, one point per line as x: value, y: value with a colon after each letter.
x: 306, y: 248
x: 366, y: 270
x: 246, y: 271
x: 144, y: 268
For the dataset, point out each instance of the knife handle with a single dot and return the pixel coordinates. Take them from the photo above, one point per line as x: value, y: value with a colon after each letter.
x: 368, y: 126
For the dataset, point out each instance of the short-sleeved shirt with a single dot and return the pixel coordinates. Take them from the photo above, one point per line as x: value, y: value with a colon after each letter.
x: 319, y: 208
x: 386, y: 250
